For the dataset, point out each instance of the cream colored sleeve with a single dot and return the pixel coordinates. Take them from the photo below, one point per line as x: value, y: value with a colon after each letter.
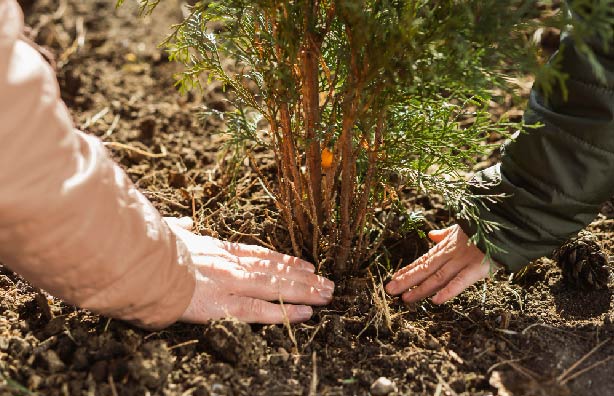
x: 71, y: 222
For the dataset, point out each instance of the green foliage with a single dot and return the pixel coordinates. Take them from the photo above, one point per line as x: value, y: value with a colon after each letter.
x: 590, y: 22
x: 396, y: 90
x: 593, y: 21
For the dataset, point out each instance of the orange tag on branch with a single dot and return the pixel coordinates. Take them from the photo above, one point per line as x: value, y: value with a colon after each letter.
x: 327, y: 158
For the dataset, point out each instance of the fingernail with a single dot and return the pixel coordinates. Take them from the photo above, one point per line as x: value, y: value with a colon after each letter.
x: 304, y: 312
x: 326, y: 293
x: 327, y: 284
x: 392, y: 286
x: 308, y: 267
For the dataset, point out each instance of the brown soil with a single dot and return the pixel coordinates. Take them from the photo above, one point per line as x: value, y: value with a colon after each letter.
x: 522, y: 338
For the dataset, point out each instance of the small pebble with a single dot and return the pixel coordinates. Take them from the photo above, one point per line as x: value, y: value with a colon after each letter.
x: 35, y: 381
x: 382, y: 387
x: 218, y: 389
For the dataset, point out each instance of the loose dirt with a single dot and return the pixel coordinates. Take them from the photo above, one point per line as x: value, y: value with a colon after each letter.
x: 535, y: 336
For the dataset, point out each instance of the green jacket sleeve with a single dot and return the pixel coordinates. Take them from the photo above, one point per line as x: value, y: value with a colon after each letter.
x: 556, y: 176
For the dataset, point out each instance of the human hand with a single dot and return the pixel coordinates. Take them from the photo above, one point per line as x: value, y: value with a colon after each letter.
x: 237, y: 280
x: 451, y: 266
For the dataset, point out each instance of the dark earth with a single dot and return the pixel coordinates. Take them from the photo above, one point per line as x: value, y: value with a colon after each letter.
x: 534, y: 335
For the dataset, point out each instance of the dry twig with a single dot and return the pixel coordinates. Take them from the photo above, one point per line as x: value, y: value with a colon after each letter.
x: 587, y: 369
x: 565, y: 376
x: 111, y: 129
x: 164, y: 199
x: 112, y: 385
x: 78, y: 43
x: 95, y: 118
x: 313, y: 388
x: 134, y: 149
x: 182, y: 344
x: 288, y: 326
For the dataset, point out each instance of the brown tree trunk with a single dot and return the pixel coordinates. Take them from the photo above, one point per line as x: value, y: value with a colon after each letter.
x: 348, y: 170
x: 292, y: 176
x: 311, y: 112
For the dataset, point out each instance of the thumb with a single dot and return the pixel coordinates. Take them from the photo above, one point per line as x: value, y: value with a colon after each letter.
x: 182, y: 222
x: 438, y: 235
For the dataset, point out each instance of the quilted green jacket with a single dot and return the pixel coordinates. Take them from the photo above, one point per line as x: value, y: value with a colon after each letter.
x: 555, y: 176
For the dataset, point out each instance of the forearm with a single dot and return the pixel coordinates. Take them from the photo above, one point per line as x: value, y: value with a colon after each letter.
x: 71, y: 222
x: 555, y: 176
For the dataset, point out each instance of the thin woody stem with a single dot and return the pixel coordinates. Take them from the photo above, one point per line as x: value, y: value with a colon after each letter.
x: 347, y: 188
x: 291, y: 174
x: 311, y: 112
x: 284, y: 200
x: 348, y: 162
x: 373, y: 150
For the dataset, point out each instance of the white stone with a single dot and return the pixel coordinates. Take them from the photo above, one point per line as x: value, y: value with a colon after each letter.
x: 382, y: 387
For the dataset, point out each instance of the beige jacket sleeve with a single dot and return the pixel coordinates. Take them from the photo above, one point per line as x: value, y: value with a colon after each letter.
x: 71, y: 222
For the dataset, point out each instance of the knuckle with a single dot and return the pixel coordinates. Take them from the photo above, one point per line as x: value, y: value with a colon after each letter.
x: 231, y: 246
x: 266, y: 264
x: 246, y: 277
x: 244, y: 280
x: 262, y: 250
x: 440, y: 275
x: 271, y: 282
x: 448, y: 249
x: 257, y: 250
x: 256, y: 308
x: 458, y: 283
x: 418, y: 263
x: 276, y: 283
x: 424, y: 266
